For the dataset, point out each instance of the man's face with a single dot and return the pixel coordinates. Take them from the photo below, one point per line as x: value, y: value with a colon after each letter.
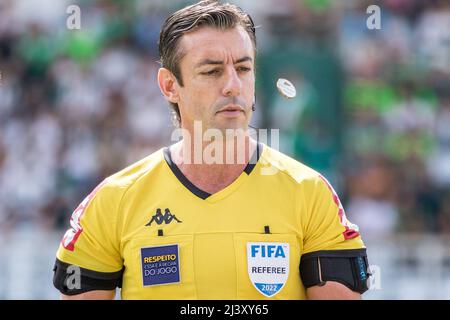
x: 218, y: 78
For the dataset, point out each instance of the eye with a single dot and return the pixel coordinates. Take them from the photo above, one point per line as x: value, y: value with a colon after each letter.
x: 244, y: 69
x: 211, y: 73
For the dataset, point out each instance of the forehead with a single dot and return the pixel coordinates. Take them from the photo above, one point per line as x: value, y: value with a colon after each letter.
x: 217, y: 44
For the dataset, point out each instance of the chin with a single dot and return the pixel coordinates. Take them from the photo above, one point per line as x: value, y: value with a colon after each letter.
x: 233, y: 125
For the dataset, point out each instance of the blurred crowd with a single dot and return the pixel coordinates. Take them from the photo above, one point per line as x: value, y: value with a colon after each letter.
x: 78, y: 105
x: 397, y: 131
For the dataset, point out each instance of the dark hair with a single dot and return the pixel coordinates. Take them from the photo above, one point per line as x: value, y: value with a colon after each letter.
x: 204, y: 13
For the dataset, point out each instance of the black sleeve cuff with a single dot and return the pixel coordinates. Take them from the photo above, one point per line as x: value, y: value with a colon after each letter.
x: 348, y: 267
x: 72, y: 280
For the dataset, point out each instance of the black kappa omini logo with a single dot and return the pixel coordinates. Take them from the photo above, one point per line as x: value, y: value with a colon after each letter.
x: 160, y: 218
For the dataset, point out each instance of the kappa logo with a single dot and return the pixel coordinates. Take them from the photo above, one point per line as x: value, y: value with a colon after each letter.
x: 160, y: 218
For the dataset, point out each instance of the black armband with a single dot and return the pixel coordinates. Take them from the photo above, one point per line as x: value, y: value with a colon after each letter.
x: 71, y: 279
x: 349, y: 267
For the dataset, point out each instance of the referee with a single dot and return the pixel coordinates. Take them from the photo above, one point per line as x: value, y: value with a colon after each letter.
x: 211, y: 218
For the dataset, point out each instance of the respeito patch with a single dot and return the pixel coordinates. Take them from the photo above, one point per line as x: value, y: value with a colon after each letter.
x: 160, y: 265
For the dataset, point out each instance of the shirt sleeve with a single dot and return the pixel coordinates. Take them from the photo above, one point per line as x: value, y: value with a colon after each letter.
x: 92, y: 241
x: 324, y: 223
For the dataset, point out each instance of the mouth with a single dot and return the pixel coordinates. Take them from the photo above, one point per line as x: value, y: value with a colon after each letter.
x: 231, y: 111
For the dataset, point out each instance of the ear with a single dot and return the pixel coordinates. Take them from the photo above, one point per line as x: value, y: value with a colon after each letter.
x: 168, y: 85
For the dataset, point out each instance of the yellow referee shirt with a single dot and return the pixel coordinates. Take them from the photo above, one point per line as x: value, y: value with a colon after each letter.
x: 175, y: 241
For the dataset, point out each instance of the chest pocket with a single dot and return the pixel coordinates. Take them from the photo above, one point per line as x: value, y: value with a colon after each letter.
x: 163, y: 267
x: 268, y: 266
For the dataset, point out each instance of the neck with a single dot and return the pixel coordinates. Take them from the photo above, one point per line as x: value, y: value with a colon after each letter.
x: 212, y: 166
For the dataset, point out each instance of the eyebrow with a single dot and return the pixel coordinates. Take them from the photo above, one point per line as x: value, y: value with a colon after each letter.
x: 219, y: 62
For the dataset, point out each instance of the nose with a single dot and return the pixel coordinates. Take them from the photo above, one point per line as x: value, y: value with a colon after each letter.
x: 233, y: 84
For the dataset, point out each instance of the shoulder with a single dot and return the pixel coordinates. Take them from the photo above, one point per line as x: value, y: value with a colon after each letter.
x: 277, y: 163
x: 309, y: 182
x: 119, y: 182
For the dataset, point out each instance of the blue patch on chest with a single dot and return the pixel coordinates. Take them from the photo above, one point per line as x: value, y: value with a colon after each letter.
x: 160, y: 265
